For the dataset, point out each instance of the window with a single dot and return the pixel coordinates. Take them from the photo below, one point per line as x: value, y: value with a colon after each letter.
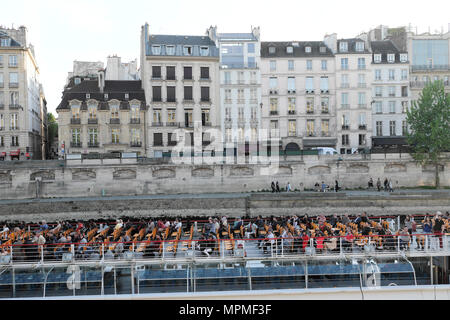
x: 92, y: 109
x: 291, y: 105
x: 362, y: 140
x: 157, y: 139
x: 188, y: 118
x: 361, y: 63
x: 404, y: 91
x: 392, y: 106
x: 1, y: 81
x: 241, y: 77
x: 13, y: 61
x: 391, y: 57
x: 403, y: 57
x: 170, y: 73
x: 345, y: 140
x: 187, y: 50
x: 308, y: 64
x: 324, y: 84
x: 291, y: 84
x: 171, y: 97
x: 310, y: 105
x: 14, y: 121
x: 253, y: 113
x: 404, y: 106
x: 156, y: 117
x: 362, y: 80
x: 309, y: 84
x: 292, y: 128
x: 170, y: 50
x: 2, y: 141
x: 378, y: 91
x: 187, y: 73
x: 290, y: 65
x: 206, y: 121
x: 273, y: 105
x: 391, y: 74
x: 392, y: 130
x: 227, y: 77
x: 2, y: 121
x: 228, y: 114
x: 241, y: 96
x: 251, y: 62
x: 156, y: 50
x: 379, y: 107
x: 377, y: 74
x: 273, y: 83
x: 5, y: 42
x: 250, y: 48
x: 404, y: 128
x: 362, y: 99
x: 404, y: 74
x: 115, y: 111
x: 135, y: 138
x: 156, y: 72
x: 134, y: 112
x: 308, y: 49
x: 228, y: 95
x: 345, y: 122
x: 171, y: 115
x: 241, y: 113
x: 343, y: 46
x: 324, y: 64
x: 75, y: 111
x: 344, y: 81
x: 272, y: 50
x: 93, y: 136
x: 391, y: 91
x: 310, y: 128
x: 13, y: 79
x: 273, y: 65
x: 325, y: 124
x: 204, y: 51
x: 344, y: 63
x: 204, y: 73
x: 14, y: 98
x: 289, y: 49
x: 156, y: 93
x: 325, y: 105
x: 377, y: 57
x: 115, y: 135
x: 359, y: 46
x: 323, y: 49
x: 379, y: 126
x: 76, y: 137
x: 77, y: 81
x: 188, y: 93
x: 344, y: 99
x: 205, y: 94
x: 362, y: 120
x: 14, y: 141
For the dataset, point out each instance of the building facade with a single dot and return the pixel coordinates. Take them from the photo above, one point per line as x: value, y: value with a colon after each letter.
x: 353, y: 93
x: 240, y: 89
x: 23, y: 110
x: 181, y: 79
x: 298, y: 94
x: 390, y: 94
x: 101, y: 116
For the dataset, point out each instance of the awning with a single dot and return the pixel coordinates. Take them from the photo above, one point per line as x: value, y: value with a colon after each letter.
x: 319, y: 142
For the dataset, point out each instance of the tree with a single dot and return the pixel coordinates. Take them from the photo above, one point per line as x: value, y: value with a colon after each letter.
x: 52, y: 127
x: 429, y: 126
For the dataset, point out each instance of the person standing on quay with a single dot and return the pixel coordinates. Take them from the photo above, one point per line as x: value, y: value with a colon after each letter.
x: 278, y: 187
x: 379, y: 185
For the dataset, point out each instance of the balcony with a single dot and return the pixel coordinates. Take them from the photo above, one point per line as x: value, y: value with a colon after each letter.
x: 273, y: 113
x: 325, y: 111
x: 292, y: 112
x: 171, y: 78
x: 157, y: 124
x: 362, y: 67
x: 227, y: 101
x: 310, y: 134
x: 15, y: 106
x: 345, y: 106
x: 135, y: 121
x: 309, y: 91
x: 172, y: 143
x: 345, y: 85
x: 345, y: 127
x: 310, y: 111
x: 362, y: 85
x: 15, y: 128
x: 136, y: 144
x: 171, y: 100
x: 75, y: 144
x: 441, y: 67
x: 325, y: 133
x: 13, y: 85
x: 188, y: 101
x: 205, y: 100
x: 241, y: 82
x: 75, y: 121
x: 362, y: 127
x: 292, y: 91
x: 362, y: 106
x: 173, y: 124
x: 241, y: 101
x: 156, y: 100
x: 93, y: 145
x: 273, y: 91
x: 206, y: 124
x: 13, y: 65
x: 208, y: 79
x: 324, y: 91
x: 92, y: 121
x: 114, y: 121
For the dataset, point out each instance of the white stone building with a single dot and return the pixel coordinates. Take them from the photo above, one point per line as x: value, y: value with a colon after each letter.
x: 181, y: 79
x: 298, y: 94
x: 353, y: 93
x: 23, y: 111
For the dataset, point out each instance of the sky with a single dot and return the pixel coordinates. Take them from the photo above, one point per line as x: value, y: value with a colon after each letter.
x: 90, y: 30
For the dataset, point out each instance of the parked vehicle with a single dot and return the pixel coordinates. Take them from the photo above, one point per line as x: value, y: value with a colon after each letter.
x: 323, y: 151
x: 15, y: 154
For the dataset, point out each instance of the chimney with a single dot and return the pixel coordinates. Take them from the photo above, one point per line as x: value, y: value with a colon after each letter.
x: 101, y: 80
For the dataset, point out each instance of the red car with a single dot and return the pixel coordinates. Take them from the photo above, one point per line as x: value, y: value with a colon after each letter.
x: 15, y: 154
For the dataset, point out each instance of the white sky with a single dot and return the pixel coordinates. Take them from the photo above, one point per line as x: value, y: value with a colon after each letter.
x: 89, y: 30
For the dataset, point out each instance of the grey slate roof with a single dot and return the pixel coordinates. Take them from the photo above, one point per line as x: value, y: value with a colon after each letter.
x: 236, y: 36
x: 179, y: 42
x: 384, y: 48
x: 351, y: 45
x: 115, y: 90
x: 13, y: 43
x: 298, y: 51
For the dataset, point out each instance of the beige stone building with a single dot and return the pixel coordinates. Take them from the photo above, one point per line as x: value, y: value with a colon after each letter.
x: 23, y: 110
x: 101, y: 116
x: 181, y: 79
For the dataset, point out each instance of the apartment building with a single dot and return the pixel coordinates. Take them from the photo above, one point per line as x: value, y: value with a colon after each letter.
x: 102, y: 116
x: 181, y: 79
x: 298, y: 94
x: 23, y: 110
x: 353, y: 93
x: 390, y: 94
x: 240, y: 89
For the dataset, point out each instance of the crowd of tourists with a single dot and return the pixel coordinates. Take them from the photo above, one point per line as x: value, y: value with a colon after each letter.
x: 292, y: 234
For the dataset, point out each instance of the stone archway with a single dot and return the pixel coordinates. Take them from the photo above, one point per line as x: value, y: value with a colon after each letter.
x: 292, y: 147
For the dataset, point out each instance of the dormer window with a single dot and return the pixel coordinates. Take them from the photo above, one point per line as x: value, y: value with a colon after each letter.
x: 391, y: 57
x: 77, y: 81
x: 377, y: 57
x: 295, y: 44
x: 204, y: 51
x: 343, y: 46
x: 289, y: 49
x: 272, y: 50
x: 308, y: 49
x: 106, y: 96
x: 323, y: 50
x: 5, y: 42
x: 187, y: 51
x: 403, y: 57
x: 127, y: 96
x: 156, y: 50
x: 359, y: 46
x: 88, y: 95
x: 170, y: 50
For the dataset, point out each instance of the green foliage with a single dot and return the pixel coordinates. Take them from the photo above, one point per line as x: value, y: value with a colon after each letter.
x: 52, y: 127
x: 429, y: 123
